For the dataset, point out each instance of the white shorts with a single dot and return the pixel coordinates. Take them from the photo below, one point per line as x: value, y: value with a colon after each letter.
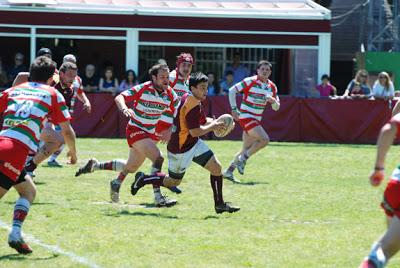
x: 178, y: 163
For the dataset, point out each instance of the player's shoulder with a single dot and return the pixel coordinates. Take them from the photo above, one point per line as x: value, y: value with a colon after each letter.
x: 250, y: 79
x: 172, y: 75
x: 272, y: 84
x: 189, y: 101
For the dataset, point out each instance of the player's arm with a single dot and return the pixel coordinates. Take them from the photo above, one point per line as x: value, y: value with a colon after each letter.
x: 70, y: 139
x: 164, y: 125
x: 121, y: 104
x: 196, y: 127
x: 274, y: 99
x: 83, y: 98
x: 21, y: 78
x: 204, y: 129
x: 232, y: 99
x: 385, y: 140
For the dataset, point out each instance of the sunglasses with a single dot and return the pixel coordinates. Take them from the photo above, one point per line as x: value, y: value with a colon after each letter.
x: 382, y: 77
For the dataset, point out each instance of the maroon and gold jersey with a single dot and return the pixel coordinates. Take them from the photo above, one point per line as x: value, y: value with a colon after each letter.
x: 190, y: 116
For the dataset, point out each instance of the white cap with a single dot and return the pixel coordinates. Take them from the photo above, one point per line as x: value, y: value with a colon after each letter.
x: 69, y: 58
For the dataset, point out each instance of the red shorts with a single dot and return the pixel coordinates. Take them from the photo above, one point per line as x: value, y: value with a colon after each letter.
x: 13, y: 155
x: 134, y: 134
x: 391, y: 199
x: 248, y: 123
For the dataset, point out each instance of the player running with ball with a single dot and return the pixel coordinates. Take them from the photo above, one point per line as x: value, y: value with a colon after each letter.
x: 258, y: 92
x: 154, y: 104
x: 388, y: 245
x: 185, y: 146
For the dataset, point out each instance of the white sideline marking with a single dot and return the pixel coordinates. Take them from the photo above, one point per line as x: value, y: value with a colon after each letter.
x: 55, y: 249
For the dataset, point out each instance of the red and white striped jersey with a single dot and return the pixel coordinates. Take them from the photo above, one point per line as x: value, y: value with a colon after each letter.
x: 25, y: 107
x: 178, y: 84
x: 150, y: 107
x: 255, y: 94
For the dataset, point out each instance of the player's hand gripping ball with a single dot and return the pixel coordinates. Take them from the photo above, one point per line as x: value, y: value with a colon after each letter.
x: 377, y: 177
x: 229, y: 125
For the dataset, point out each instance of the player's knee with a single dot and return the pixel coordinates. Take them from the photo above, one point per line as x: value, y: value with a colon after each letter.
x: 130, y: 168
x: 215, y: 167
x: 264, y: 141
x: 171, y: 182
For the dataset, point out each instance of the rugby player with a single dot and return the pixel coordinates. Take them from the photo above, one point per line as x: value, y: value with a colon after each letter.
x: 24, y: 108
x: 258, y: 92
x: 185, y: 146
x: 389, y: 244
x: 154, y: 105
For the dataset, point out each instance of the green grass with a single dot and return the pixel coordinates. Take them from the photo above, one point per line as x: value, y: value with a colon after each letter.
x: 302, y: 205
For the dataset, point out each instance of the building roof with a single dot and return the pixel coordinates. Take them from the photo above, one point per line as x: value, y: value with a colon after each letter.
x: 270, y: 9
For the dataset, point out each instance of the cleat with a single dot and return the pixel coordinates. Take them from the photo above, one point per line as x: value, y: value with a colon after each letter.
x: 138, y: 183
x: 54, y: 163
x: 164, y: 201
x: 368, y: 264
x: 175, y: 189
x: 20, y: 246
x: 226, y: 207
x: 229, y: 176
x: 114, y: 190
x: 240, y: 166
x: 88, y: 167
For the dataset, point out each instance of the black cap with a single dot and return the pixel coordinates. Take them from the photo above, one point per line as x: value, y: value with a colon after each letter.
x: 44, y: 51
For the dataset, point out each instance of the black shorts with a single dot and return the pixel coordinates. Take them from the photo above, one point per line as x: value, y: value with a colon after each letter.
x: 7, y: 183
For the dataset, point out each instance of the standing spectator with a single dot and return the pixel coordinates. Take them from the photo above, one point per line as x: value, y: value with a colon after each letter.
x: 358, y: 88
x: 3, y: 76
x: 17, y: 67
x: 108, y: 83
x: 90, y: 81
x: 213, y: 86
x: 227, y: 83
x: 383, y: 87
x: 129, y: 81
x: 326, y: 88
x: 240, y: 72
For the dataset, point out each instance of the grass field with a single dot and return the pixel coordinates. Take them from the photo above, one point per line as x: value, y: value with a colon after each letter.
x: 302, y: 205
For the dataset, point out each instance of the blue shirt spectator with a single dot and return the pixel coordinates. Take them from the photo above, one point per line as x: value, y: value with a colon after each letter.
x: 240, y: 72
x: 213, y: 86
x: 227, y: 83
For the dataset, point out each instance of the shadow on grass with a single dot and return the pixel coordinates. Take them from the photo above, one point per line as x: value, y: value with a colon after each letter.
x: 142, y: 214
x: 20, y: 257
x: 318, y: 145
x: 249, y: 183
x: 39, y: 183
x: 210, y: 217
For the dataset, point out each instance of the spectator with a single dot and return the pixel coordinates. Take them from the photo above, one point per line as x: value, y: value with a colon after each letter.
x: 227, y: 83
x: 108, y: 83
x: 326, y: 88
x: 213, y: 86
x: 90, y: 81
x: 17, y: 67
x: 358, y: 87
x: 129, y: 81
x: 383, y: 87
x: 240, y: 72
x: 3, y: 76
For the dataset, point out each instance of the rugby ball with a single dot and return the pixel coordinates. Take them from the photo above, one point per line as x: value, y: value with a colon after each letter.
x: 229, y: 125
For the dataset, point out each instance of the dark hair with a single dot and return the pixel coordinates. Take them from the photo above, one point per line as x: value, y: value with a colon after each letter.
x: 68, y: 66
x: 41, y: 69
x: 197, y: 78
x: 127, y: 74
x: 228, y: 73
x: 154, y: 70
x: 325, y: 76
x: 109, y: 68
x: 44, y: 51
x: 264, y: 62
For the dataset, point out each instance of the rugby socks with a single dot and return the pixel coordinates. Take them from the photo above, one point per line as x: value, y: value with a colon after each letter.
x: 233, y: 165
x: 54, y: 156
x: 377, y: 256
x: 121, y: 177
x: 116, y: 165
x: 156, y: 168
x: 155, y: 179
x: 216, y: 185
x: 21, y: 209
x: 243, y: 157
